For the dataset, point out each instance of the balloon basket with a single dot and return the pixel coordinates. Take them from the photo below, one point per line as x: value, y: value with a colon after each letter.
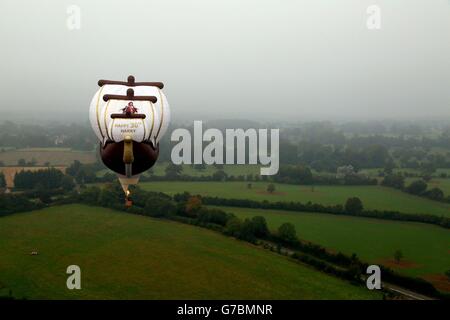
x: 128, y: 203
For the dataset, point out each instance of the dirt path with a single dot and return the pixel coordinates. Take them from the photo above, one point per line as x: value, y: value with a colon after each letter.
x: 405, y: 292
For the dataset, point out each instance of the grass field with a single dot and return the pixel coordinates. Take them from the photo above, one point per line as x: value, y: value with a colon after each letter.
x: 234, y: 170
x: 124, y: 256
x: 373, y: 197
x: 55, y: 156
x: 374, y: 172
x: 426, y: 248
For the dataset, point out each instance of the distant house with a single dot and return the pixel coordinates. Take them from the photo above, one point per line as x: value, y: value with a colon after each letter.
x: 345, y: 171
x: 60, y: 139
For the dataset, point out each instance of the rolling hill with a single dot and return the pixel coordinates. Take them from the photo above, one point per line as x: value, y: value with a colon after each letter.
x: 125, y: 256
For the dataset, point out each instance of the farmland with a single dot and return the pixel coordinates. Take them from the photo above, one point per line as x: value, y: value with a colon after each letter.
x: 232, y: 170
x: 44, y: 156
x: 425, y: 248
x: 124, y: 256
x: 373, y: 197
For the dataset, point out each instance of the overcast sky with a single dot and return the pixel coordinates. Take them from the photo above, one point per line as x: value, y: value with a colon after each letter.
x: 292, y: 59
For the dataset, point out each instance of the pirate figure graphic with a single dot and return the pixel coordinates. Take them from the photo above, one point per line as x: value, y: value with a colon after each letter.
x: 130, y: 109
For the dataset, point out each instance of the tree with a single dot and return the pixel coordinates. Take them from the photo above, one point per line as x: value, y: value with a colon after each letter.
x: 294, y: 174
x: 398, y: 255
x: 287, y: 233
x: 213, y: 215
x: 233, y: 227
x: 83, y: 173
x: 111, y: 195
x: 260, y: 227
x: 219, y: 175
x: 435, y: 194
x: 376, y: 156
x: 247, y: 231
x: 74, y: 168
x: 47, y: 178
x: 193, y: 204
x: 394, y: 180
x: 2, y: 180
x: 200, y: 166
x: 417, y: 187
x: 67, y: 183
x: 173, y: 171
x: 44, y: 196
x: 354, y: 205
x: 90, y: 195
x: 271, y: 188
x: 10, y: 203
x: 428, y: 168
x: 157, y: 206
x: 389, y: 168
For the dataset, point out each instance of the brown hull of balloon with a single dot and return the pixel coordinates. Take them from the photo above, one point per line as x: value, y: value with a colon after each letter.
x: 145, y: 157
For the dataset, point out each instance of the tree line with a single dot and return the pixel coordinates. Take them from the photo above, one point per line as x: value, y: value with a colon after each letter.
x: 321, y: 146
x: 48, y: 179
x: 352, y: 207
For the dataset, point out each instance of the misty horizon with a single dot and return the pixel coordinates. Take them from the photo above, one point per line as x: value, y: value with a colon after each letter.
x: 295, y: 61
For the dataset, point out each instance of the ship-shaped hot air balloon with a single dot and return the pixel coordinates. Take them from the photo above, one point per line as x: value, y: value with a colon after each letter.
x: 129, y: 118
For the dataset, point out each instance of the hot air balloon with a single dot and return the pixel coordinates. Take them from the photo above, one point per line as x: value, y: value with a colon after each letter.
x: 129, y: 118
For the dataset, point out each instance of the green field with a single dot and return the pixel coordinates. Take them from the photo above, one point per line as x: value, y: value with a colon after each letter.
x: 374, y: 172
x: 124, y: 256
x: 426, y: 248
x: 373, y: 197
x: 54, y: 156
x: 232, y: 170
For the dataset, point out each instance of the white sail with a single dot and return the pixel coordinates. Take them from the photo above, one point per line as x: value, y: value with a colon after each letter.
x: 152, y: 128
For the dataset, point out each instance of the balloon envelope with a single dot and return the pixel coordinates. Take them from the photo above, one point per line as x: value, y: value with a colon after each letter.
x: 129, y: 128
x: 152, y: 128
